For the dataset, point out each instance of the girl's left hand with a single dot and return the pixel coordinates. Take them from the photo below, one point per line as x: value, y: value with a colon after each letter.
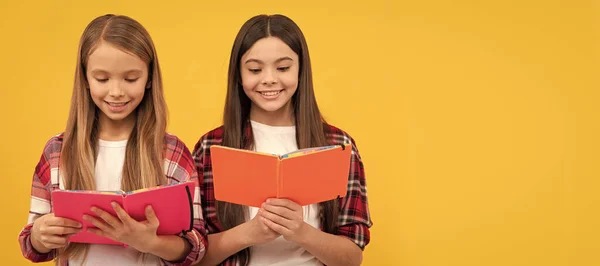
x: 284, y: 217
x: 124, y: 229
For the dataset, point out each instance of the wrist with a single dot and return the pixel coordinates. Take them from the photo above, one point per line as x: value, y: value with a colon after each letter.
x: 242, y: 233
x: 35, y: 243
x: 154, y: 245
x: 307, y: 234
x: 38, y: 246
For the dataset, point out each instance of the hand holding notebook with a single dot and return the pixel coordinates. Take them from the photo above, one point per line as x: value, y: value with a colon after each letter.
x: 172, y: 204
x: 305, y: 176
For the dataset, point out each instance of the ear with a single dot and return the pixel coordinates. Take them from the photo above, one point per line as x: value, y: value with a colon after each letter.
x: 149, y: 84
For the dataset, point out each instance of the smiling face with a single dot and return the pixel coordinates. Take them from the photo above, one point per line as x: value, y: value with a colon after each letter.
x: 269, y: 72
x: 117, y: 82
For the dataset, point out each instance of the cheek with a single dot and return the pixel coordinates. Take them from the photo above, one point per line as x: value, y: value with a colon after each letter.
x: 135, y: 90
x: 249, y: 82
x: 290, y: 81
x: 138, y: 93
x: 96, y: 92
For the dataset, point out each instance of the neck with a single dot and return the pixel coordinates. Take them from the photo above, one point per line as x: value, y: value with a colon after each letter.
x: 111, y: 130
x: 282, y: 117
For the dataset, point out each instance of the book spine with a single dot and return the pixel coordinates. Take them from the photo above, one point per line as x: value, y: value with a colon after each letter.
x: 279, y: 178
x: 124, y: 203
x: 124, y: 206
x: 191, y: 204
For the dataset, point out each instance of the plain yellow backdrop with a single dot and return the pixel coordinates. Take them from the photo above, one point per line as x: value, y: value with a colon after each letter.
x: 478, y: 121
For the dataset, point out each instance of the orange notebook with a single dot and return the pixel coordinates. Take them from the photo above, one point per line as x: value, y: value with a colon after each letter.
x: 305, y: 176
x: 172, y: 204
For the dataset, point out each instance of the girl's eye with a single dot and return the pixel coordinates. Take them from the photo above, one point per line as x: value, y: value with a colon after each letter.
x: 254, y: 70
x: 282, y: 69
x: 131, y: 80
x: 101, y: 80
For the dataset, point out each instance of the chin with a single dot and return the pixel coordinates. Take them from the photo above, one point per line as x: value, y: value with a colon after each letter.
x: 271, y: 107
x: 117, y: 118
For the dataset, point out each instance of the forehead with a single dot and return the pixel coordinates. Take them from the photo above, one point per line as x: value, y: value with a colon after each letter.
x: 109, y: 58
x: 269, y: 49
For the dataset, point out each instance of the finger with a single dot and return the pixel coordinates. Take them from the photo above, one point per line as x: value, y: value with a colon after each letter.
x: 54, y: 241
x: 59, y: 230
x: 64, y: 222
x: 99, y: 232
x: 275, y: 218
x: 98, y: 223
x: 274, y: 226
x: 107, y: 217
x: 285, y: 203
x: 55, y: 246
x: 282, y: 211
x: 151, y: 216
x: 121, y: 214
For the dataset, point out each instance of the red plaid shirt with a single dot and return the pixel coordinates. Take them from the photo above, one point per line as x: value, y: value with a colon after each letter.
x: 354, y: 220
x: 178, y: 166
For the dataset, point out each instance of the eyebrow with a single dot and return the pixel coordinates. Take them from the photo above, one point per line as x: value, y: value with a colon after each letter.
x: 276, y: 61
x: 101, y: 71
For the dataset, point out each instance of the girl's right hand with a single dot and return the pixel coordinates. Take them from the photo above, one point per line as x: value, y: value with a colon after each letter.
x: 259, y: 232
x: 50, y: 232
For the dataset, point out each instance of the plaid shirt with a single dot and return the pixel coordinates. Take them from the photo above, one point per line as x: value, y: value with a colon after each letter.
x: 354, y: 220
x: 178, y: 166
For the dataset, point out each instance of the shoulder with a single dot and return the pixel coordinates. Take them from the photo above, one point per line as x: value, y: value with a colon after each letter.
x: 337, y: 136
x: 173, y: 141
x: 175, y: 150
x: 50, y: 158
x: 179, y: 164
x: 53, y: 146
x: 213, y: 137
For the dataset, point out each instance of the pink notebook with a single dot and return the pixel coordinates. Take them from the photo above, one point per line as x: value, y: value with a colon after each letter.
x: 173, y: 205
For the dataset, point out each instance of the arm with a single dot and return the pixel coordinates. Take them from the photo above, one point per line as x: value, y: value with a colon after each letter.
x: 224, y: 244
x: 170, y: 248
x: 352, y: 235
x: 139, y: 235
x: 353, y: 231
x: 181, y: 168
x: 330, y: 249
x: 173, y: 250
x: 39, y: 206
x: 286, y: 217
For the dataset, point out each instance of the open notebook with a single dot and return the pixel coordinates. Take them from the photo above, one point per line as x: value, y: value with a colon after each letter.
x: 305, y: 176
x: 173, y: 205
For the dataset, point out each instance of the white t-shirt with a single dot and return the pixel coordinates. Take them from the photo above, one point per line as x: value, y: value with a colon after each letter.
x: 108, y: 175
x: 280, y: 252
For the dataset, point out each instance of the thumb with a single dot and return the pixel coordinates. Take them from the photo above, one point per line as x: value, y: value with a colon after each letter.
x: 151, y: 216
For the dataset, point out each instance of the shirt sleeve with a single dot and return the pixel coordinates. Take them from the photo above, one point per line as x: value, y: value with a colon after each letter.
x: 354, y: 220
x: 39, y: 205
x: 181, y: 168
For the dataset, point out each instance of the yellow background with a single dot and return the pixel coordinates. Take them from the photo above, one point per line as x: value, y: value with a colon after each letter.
x: 477, y: 120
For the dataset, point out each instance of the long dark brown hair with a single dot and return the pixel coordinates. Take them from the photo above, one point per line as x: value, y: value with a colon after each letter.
x: 143, y: 165
x: 310, y: 125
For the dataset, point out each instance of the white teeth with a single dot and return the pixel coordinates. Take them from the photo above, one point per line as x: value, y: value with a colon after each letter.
x: 269, y: 93
x: 117, y: 104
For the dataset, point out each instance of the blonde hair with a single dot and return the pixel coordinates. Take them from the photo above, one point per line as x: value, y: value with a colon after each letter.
x: 143, y: 165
